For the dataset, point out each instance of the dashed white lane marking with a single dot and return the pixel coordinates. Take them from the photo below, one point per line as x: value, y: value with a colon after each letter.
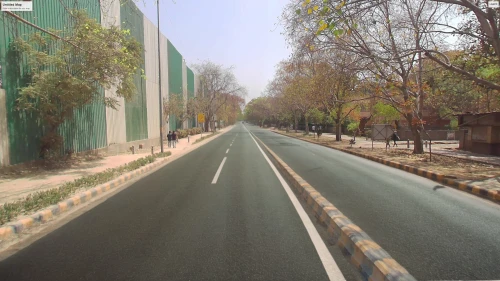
x: 227, y: 151
x: 331, y: 268
x: 214, y: 181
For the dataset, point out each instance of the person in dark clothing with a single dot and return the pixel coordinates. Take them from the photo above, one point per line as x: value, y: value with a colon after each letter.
x: 174, y: 139
x: 169, y: 138
x: 395, y: 138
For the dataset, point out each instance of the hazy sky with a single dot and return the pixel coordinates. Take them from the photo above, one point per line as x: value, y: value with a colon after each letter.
x: 240, y: 33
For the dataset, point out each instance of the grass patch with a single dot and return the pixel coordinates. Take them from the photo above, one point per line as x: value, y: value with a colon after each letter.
x: 206, y: 137
x: 39, y: 200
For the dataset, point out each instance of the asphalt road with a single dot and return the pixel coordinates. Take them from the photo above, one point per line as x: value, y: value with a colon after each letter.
x: 435, y: 232
x: 176, y: 225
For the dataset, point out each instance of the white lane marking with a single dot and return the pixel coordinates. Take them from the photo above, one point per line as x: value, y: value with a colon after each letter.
x: 214, y: 181
x: 326, y: 258
x: 227, y: 150
x: 231, y: 144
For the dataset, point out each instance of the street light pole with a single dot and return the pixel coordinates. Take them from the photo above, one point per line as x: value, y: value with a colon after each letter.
x: 159, y: 77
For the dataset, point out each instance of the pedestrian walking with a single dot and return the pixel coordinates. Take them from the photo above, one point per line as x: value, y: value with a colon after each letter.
x: 387, y: 143
x: 395, y: 138
x: 169, y: 138
x: 174, y: 139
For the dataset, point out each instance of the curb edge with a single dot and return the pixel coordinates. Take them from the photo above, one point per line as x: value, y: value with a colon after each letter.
x: 373, y: 262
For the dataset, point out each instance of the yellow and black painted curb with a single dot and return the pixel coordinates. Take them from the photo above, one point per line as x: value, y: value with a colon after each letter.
x: 492, y: 195
x: 49, y: 212
x: 374, y: 263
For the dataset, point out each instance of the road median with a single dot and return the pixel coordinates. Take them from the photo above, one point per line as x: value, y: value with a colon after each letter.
x: 489, y: 194
x: 369, y: 258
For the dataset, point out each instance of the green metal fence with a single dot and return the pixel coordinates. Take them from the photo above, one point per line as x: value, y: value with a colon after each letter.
x: 135, y: 110
x: 88, y: 128
x: 174, y: 79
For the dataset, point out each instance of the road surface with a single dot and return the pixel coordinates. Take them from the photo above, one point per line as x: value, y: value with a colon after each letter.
x: 435, y: 232
x: 194, y: 219
x: 222, y: 213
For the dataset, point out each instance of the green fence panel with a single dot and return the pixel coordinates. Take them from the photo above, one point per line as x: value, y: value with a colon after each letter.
x: 190, y: 88
x: 174, y: 78
x: 87, y: 130
x: 135, y: 110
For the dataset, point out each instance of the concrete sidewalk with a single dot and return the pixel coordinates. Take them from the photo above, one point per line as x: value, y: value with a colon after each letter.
x: 12, y: 188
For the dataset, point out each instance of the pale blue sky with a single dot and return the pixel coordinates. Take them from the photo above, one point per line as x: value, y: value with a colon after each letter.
x: 240, y: 33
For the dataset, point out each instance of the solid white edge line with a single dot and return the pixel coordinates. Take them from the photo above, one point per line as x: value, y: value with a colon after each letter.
x: 227, y: 150
x: 214, y: 181
x: 331, y: 267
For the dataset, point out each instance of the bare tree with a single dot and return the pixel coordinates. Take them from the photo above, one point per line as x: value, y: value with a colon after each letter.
x: 219, y: 84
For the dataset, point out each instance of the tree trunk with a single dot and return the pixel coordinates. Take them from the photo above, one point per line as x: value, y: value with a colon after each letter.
x: 206, y: 125
x: 338, y: 125
x: 307, y: 124
x: 296, y: 123
x: 416, y: 131
x: 362, y: 124
x: 418, y: 147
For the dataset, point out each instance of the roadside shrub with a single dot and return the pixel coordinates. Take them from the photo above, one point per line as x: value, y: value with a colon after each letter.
x: 182, y: 134
x: 195, y: 131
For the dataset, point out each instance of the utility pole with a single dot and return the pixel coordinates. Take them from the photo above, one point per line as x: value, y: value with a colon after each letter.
x: 159, y: 77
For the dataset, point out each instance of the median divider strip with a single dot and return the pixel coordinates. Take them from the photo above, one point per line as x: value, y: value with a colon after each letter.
x: 370, y: 259
x: 492, y: 195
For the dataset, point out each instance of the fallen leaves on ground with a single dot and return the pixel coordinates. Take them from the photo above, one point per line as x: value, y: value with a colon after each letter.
x: 461, y: 169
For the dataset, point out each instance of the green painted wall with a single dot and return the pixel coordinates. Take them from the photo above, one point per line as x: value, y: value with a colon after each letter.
x: 190, y: 88
x: 174, y: 78
x: 136, y: 109
x: 88, y: 128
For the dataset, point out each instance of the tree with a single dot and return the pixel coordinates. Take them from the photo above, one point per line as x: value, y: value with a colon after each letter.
x: 451, y: 94
x: 230, y: 111
x: 298, y: 88
x: 69, y: 68
x: 284, y: 108
x: 389, y: 37
x: 174, y: 106
x: 258, y: 110
x: 336, y: 82
x: 219, y: 85
x: 386, y: 112
x: 480, y: 35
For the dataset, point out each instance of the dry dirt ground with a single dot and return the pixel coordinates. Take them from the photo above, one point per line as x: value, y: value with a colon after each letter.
x: 461, y: 169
